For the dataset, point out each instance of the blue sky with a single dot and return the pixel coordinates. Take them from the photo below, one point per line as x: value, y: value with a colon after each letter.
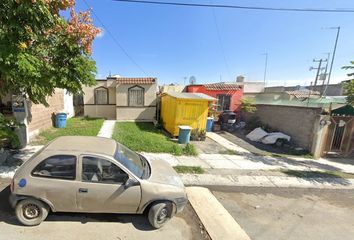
x: 171, y: 42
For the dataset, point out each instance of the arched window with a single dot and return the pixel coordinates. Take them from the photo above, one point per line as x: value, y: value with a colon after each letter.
x: 101, y: 95
x: 136, y: 96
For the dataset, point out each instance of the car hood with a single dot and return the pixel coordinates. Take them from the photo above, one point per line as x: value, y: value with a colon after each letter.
x: 162, y: 172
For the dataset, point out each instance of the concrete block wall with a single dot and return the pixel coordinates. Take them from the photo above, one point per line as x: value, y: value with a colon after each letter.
x: 40, y: 117
x: 297, y: 122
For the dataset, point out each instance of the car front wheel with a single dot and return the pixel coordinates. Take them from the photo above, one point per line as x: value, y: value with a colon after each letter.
x: 31, y: 212
x: 159, y: 214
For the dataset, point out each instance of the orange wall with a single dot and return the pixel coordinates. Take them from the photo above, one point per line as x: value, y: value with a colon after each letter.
x: 235, y: 99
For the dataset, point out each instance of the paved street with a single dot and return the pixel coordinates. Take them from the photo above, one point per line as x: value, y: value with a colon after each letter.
x: 63, y: 226
x: 279, y: 213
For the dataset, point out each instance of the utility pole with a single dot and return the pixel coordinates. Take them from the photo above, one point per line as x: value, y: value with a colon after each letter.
x: 265, y: 68
x: 325, y: 75
x: 308, y: 98
x: 333, y: 55
x: 319, y: 69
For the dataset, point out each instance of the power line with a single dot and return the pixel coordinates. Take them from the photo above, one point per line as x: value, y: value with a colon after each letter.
x: 115, y: 40
x: 327, y: 10
x: 221, y: 44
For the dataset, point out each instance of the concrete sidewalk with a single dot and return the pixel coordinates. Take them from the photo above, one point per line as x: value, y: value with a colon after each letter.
x: 248, y: 161
x: 107, y: 129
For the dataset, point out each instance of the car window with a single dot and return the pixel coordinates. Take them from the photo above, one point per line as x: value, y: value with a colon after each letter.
x: 58, y: 166
x: 130, y: 160
x: 95, y: 169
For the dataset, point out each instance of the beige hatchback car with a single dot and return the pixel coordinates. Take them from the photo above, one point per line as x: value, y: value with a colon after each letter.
x: 95, y: 175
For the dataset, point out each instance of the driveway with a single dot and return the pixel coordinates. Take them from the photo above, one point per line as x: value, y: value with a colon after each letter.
x: 64, y: 226
x: 273, y: 213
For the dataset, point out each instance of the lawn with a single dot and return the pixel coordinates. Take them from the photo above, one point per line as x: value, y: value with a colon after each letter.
x: 144, y: 137
x: 189, y: 169
x: 75, y: 127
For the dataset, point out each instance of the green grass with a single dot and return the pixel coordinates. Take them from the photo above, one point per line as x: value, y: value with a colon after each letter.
x: 317, y: 174
x: 144, y: 137
x: 74, y: 127
x: 188, y: 169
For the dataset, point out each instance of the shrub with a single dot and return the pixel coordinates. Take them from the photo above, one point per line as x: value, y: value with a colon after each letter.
x: 190, y: 150
x: 247, y: 105
x: 7, y: 133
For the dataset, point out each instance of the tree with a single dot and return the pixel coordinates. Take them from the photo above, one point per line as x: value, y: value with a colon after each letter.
x: 41, y: 51
x: 349, y: 85
x: 247, y: 105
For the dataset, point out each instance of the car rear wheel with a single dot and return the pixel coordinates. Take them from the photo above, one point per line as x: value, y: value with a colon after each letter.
x: 31, y: 212
x: 160, y: 214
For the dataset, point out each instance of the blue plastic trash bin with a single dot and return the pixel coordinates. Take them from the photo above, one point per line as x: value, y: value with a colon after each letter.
x: 184, y: 134
x: 210, y: 122
x: 60, y: 120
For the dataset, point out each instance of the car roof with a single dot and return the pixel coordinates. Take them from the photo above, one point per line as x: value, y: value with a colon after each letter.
x: 83, y: 144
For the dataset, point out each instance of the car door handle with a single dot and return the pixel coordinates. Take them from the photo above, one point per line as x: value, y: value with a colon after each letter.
x: 83, y: 190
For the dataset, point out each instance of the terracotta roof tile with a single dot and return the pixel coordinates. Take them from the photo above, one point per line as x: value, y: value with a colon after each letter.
x: 124, y: 80
x: 222, y: 86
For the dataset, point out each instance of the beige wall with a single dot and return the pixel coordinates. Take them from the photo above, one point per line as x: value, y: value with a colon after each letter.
x: 150, y: 94
x: 40, y: 117
x: 118, y: 102
x: 297, y: 122
x: 107, y: 111
x: 89, y: 96
x: 136, y: 113
x: 147, y: 113
x: 104, y: 111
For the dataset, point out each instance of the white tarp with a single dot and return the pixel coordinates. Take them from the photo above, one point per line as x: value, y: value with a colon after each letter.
x: 271, y: 138
x: 257, y: 134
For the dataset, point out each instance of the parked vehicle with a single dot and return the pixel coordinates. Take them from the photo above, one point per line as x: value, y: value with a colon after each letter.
x: 227, y: 121
x: 97, y: 175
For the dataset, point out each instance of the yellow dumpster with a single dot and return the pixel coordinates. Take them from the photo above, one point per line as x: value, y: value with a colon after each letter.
x: 188, y: 109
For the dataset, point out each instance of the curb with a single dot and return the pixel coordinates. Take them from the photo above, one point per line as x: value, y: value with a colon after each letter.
x: 216, y: 219
x: 266, y: 181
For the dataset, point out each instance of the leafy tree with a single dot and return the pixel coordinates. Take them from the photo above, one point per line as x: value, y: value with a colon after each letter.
x: 349, y: 86
x: 247, y: 105
x: 41, y: 51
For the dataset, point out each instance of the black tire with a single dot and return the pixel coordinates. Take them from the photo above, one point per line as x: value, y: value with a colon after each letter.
x: 31, y: 212
x: 280, y: 142
x: 160, y: 214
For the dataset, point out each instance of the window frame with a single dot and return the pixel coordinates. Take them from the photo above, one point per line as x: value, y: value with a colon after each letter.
x: 106, y: 159
x: 223, y: 102
x: 129, y: 97
x: 57, y: 178
x: 95, y: 95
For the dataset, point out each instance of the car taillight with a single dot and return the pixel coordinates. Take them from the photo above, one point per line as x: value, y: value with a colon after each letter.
x: 12, y: 185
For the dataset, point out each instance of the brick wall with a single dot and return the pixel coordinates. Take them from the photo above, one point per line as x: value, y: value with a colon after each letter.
x: 297, y: 122
x: 40, y: 117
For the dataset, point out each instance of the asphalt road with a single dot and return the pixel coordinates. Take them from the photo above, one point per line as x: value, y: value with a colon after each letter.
x: 65, y: 226
x: 285, y: 213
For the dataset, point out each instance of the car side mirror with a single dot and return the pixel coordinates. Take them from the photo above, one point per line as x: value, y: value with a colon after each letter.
x: 130, y: 183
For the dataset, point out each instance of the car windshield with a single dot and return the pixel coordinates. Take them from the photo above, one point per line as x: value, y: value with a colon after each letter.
x: 130, y: 160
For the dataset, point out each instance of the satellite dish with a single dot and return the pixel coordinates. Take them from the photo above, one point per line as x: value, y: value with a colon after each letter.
x: 192, y: 80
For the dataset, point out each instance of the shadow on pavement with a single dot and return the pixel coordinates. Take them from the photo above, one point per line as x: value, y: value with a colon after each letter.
x: 285, y: 161
x: 318, y: 177
x: 140, y: 222
x: 7, y: 215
